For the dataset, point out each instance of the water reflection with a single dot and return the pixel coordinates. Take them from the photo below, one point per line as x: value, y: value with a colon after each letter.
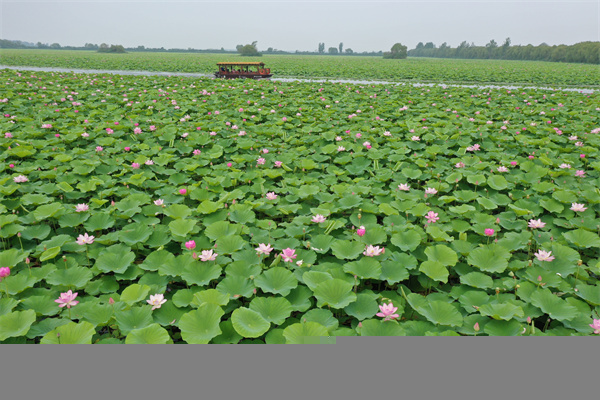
x: 351, y: 81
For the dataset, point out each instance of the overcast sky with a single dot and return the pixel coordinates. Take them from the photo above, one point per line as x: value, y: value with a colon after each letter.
x: 298, y: 25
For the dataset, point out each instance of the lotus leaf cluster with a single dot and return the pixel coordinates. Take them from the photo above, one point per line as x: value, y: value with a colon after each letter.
x: 179, y: 209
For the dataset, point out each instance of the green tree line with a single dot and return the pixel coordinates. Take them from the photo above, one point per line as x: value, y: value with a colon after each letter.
x: 584, y: 52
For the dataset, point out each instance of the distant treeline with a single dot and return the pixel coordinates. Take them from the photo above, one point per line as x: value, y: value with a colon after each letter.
x: 584, y: 52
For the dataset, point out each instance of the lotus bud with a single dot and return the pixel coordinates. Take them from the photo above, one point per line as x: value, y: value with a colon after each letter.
x: 476, y: 327
x: 497, y: 290
x: 579, y: 262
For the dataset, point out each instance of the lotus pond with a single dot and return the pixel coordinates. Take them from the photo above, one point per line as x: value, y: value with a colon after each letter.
x: 324, y: 67
x: 181, y: 210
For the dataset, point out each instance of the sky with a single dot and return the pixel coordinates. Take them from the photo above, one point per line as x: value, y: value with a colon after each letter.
x: 298, y: 25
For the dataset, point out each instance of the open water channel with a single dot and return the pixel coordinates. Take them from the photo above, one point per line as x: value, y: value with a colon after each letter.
x: 351, y: 81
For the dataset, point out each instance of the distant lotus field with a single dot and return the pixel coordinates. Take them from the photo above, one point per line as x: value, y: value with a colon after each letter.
x: 324, y: 67
x: 144, y: 209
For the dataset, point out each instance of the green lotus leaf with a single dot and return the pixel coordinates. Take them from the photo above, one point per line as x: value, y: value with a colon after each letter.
x: 116, y: 258
x: 7, y: 304
x: 553, y: 305
x: 497, y: 182
x: 72, y: 220
x: 300, y: 298
x: 135, y: 293
x: 210, y: 296
x: 236, y: 285
x: 364, y: 307
x: 437, y: 312
x: 156, y: 259
x: 134, y: 318
x: 347, y: 250
x: 442, y: 254
x: 16, y: 323
x: 335, y: 293
x: 18, y: 283
x: 74, y: 277
x: 201, y: 325
x: 71, y: 333
x: 502, y: 328
x: 582, y: 238
x: 230, y: 244
x: 590, y: 293
x: 10, y: 258
x: 307, y: 332
x: 220, y: 229
x: 99, y: 221
x: 276, y: 280
x: 50, y: 253
x: 134, y: 233
x: 40, y: 232
x: 473, y: 299
x: 489, y: 258
x: 379, y: 327
x: 249, y: 323
x: 503, y: 311
x: 435, y: 270
x: 201, y: 273
x: 477, y: 279
x: 272, y: 309
x: 365, y: 268
x: 181, y: 227
x: 177, y: 211
x: 323, y: 317
x: 153, y: 333
x: 46, y: 211
x: 407, y: 240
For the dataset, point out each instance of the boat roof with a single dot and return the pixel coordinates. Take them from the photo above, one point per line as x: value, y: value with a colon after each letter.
x: 241, y: 63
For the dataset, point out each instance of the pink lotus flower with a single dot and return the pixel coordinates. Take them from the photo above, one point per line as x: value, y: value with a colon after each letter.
x: 135, y: 165
x: 99, y: 148
x: 288, y: 254
x: 475, y: 147
x: 152, y: 128
x: 8, y: 135
x: 489, y: 232
x: 156, y: 301
x: 260, y: 161
x: 564, y: 165
x: 265, y: 249
x: 430, y: 191
x: 502, y: 169
x: 432, y: 217
x: 67, y: 299
x: 387, y: 312
x: 338, y: 138
x: 361, y: 231
x: 544, y: 255
x: 372, y: 251
x: 182, y: 191
x: 137, y: 131
x: 318, y: 218
x: 578, y: 207
x: 191, y: 245
x: 85, y: 239
x: 513, y: 163
x: 533, y: 223
x: 404, y: 186
x: 596, y: 326
x: 580, y: 173
x: 271, y: 196
x: 415, y: 138
x: 341, y: 148
x: 127, y: 148
x: 81, y: 207
x: 46, y: 126
x: 109, y: 131
x: 208, y: 255
x: 229, y: 164
x: 4, y: 272
x: 20, y: 179
x: 278, y: 164
x: 460, y: 165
